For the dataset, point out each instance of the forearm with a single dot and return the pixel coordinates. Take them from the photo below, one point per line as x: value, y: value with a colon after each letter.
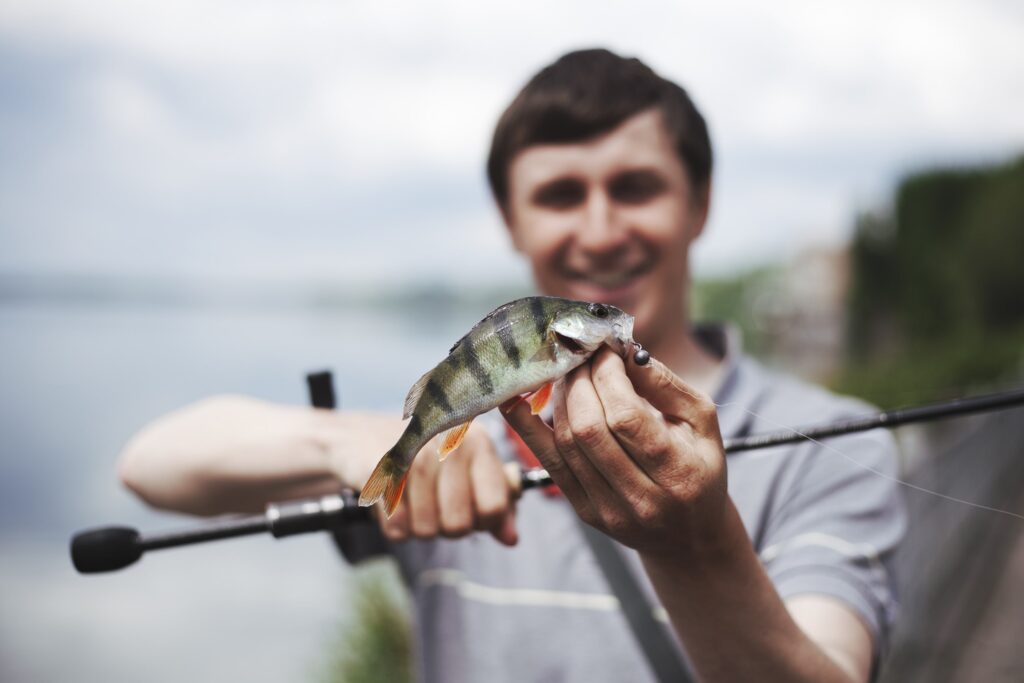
x: 734, y: 625
x: 235, y: 454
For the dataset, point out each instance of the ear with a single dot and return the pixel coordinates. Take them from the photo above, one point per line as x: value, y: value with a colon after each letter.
x: 701, y: 207
x: 510, y: 225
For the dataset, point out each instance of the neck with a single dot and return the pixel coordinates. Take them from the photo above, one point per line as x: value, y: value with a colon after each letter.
x: 678, y: 350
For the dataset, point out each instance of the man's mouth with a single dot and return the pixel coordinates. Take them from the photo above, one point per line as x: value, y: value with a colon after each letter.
x: 610, y: 281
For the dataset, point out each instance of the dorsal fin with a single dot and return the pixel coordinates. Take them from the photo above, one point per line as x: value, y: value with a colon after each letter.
x: 503, y: 307
x: 414, y: 395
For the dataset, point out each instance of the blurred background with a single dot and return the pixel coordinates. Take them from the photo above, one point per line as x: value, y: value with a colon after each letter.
x: 199, y: 198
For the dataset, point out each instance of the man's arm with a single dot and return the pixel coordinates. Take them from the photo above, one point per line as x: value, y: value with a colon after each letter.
x: 655, y: 481
x: 735, y: 626
x: 236, y: 454
x: 837, y: 630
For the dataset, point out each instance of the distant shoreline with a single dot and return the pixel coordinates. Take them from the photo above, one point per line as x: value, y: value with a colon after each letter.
x: 118, y: 290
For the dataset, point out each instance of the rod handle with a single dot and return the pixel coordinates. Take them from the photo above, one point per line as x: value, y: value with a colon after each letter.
x: 105, y: 549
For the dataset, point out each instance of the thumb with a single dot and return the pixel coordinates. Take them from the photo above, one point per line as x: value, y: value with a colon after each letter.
x: 675, y: 398
x: 506, y: 531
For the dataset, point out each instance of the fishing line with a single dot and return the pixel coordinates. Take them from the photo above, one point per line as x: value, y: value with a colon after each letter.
x: 642, y: 360
x: 865, y: 466
x: 105, y: 549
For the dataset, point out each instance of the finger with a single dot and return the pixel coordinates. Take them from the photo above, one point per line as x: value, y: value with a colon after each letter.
x: 541, y: 440
x: 600, y: 464
x: 491, y: 494
x: 455, y: 495
x: 507, y: 532
x: 567, y: 448
x: 395, y: 527
x: 676, y: 399
x: 640, y: 430
x: 421, y: 493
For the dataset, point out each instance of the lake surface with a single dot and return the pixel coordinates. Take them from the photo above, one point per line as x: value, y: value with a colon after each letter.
x: 76, y: 381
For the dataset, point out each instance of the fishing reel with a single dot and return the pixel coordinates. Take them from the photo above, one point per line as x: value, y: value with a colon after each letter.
x: 111, y: 548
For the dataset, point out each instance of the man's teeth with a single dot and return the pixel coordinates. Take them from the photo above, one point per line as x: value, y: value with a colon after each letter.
x: 610, y: 281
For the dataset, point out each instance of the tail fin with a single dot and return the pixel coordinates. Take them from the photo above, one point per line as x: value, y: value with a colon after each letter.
x: 386, y: 483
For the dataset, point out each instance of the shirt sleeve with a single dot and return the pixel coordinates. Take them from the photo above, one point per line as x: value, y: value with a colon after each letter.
x: 836, y: 526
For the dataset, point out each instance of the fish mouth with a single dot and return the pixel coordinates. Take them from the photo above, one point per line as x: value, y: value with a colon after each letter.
x: 571, y: 344
x: 623, y: 331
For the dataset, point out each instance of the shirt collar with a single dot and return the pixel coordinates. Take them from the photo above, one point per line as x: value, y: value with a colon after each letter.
x: 742, y: 383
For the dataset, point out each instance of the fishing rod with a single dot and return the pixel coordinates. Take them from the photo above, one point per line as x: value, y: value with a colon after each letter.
x: 111, y: 548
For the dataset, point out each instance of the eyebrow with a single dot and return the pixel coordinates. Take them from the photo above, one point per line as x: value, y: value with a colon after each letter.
x: 551, y: 188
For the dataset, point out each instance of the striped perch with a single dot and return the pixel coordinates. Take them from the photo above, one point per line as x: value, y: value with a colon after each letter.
x: 519, y: 348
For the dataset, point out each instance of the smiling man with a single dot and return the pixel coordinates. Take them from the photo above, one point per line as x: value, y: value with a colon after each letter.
x: 770, y: 566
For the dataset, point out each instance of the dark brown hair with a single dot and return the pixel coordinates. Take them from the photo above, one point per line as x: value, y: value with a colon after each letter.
x: 585, y: 94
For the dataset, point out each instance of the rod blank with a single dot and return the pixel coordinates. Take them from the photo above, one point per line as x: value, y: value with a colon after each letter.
x: 111, y: 548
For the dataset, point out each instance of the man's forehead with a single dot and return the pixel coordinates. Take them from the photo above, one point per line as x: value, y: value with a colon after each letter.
x: 640, y: 140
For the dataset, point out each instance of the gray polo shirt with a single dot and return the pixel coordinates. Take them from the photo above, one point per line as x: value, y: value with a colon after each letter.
x: 824, y: 520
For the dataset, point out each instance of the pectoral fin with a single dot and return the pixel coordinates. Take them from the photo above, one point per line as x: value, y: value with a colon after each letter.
x: 546, y: 352
x: 539, y: 399
x: 451, y: 439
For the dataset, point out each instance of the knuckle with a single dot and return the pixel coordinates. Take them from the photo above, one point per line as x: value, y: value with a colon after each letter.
x: 664, y: 380
x: 458, y: 525
x: 660, y: 450
x: 423, y: 527
x: 492, y: 510
x: 589, y: 433
x: 395, y: 528
x: 615, y: 524
x: 628, y: 422
x: 565, y: 440
x: 647, y: 511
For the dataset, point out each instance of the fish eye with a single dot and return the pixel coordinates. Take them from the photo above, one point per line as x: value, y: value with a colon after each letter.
x: 598, y: 310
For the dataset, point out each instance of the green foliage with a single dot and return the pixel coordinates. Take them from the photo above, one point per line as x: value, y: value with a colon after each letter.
x: 936, y: 370
x: 375, y: 642
x: 937, y: 286
x: 735, y: 300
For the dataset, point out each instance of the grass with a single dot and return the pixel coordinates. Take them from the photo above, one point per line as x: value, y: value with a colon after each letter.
x: 374, y: 641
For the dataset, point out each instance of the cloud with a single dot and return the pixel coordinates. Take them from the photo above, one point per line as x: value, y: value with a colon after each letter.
x: 288, y: 139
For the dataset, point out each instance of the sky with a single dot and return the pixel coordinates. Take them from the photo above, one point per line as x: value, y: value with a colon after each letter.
x: 344, y: 142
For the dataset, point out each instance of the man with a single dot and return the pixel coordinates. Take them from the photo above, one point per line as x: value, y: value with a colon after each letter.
x: 770, y: 567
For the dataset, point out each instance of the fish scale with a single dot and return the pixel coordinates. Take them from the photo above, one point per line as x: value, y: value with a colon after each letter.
x: 517, y: 348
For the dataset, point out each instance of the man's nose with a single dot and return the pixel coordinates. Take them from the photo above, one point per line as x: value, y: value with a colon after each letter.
x: 602, y: 229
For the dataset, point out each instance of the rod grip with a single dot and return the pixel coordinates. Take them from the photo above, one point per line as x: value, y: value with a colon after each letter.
x: 105, y: 549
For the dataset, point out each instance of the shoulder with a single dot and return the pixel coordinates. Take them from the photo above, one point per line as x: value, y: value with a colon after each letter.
x: 796, y: 401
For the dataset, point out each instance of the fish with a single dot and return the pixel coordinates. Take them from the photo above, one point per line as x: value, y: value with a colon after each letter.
x: 519, y: 348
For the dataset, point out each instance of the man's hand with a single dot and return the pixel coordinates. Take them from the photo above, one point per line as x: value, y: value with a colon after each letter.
x: 638, y: 454
x: 469, y: 491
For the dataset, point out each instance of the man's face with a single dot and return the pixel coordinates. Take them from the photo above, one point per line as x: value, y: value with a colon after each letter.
x: 610, y: 220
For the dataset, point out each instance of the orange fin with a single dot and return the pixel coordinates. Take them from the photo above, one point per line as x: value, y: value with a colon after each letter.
x: 385, y: 484
x: 451, y: 440
x: 539, y: 398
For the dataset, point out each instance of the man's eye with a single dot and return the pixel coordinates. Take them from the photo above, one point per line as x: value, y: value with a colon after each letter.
x: 560, y: 194
x: 636, y: 187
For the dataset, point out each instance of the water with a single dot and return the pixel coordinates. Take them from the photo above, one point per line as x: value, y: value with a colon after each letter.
x: 76, y: 381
